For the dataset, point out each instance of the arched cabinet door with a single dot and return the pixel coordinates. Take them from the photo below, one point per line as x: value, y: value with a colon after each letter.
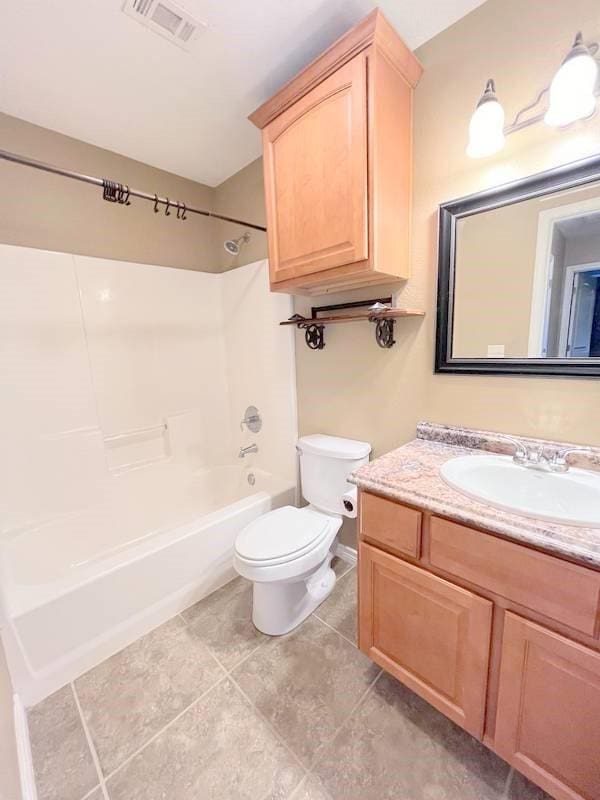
x: 316, y: 177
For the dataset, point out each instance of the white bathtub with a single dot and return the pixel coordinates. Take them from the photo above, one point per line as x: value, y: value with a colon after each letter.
x: 78, y: 588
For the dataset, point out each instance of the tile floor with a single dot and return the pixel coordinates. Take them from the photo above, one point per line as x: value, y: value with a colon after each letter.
x: 207, y: 708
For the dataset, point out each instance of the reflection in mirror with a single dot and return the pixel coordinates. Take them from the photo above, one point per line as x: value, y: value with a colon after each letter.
x: 527, y: 279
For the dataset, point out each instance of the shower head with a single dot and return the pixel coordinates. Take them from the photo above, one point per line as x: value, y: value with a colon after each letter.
x: 233, y: 246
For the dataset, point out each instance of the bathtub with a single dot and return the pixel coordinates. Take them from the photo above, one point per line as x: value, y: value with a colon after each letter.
x: 78, y: 588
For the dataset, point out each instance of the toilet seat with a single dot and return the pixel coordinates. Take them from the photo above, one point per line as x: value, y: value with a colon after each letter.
x: 283, y: 535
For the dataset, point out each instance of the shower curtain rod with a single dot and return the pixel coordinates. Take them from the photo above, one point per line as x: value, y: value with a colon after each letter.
x: 125, y: 191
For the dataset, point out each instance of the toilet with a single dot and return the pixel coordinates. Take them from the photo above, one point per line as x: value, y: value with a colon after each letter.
x: 287, y: 552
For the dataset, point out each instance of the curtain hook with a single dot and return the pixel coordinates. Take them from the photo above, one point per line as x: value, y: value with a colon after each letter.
x: 167, y: 212
x: 178, y: 210
x: 126, y: 197
x: 156, y: 204
x: 183, y: 216
x: 109, y: 191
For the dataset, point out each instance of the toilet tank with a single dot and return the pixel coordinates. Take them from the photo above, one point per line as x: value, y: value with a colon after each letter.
x: 325, y: 464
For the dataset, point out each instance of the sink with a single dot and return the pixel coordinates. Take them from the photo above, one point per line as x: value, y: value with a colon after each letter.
x: 569, y: 498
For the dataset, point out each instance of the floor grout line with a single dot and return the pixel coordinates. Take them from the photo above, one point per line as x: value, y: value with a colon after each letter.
x: 229, y: 676
x: 90, y: 743
x: 353, y: 710
x: 335, y: 630
x: 92, y: 792
x: 508, y: 783
x: 349, y: 567
x: 245, y: 658
x: 226, y: 674
x: 296, y: 788
x: 166, y: 727
x: 270, y: 727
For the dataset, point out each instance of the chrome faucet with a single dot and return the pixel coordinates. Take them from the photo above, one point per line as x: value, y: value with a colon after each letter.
x: 244, y: 451
x: 535, y: 457
x: 532, y: 457
x: 559, y: 461
x: 521, y: 454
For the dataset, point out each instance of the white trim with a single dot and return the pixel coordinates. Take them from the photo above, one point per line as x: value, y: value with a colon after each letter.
x: 567, y: 299
x: 346, y: 553
x: 539, y: 305
x: 26, y: 773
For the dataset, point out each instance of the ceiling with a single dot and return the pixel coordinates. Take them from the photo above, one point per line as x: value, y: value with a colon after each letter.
x: 89, y: 71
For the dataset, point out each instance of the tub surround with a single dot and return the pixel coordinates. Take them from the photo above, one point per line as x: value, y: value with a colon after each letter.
x: 411, y: 474
x: 121, y: 420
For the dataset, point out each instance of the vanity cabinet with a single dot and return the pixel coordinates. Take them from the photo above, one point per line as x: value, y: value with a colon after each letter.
x: 337, y: 148
x: 501, y: 638
x: 548, y: 722
x: 430, y: 634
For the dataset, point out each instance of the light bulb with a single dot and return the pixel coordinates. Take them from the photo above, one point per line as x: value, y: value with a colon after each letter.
x: 572, y: 88
x: 486, y: 128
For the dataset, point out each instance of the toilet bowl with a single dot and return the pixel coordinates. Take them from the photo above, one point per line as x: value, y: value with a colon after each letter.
x: 287, y: 553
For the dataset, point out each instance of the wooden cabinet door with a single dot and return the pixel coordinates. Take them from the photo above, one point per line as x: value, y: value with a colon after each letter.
x: 430, y: 634
x: 315, y: 166
x: 548, y: 719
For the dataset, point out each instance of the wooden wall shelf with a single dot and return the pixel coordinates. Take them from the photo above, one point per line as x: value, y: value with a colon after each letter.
x: 384, y: 318
x: 392, y: 313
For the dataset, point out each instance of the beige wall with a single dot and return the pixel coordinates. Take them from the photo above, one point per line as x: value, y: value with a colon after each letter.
x: 495, y: 257
x: 9, y: 770
x: 48, y: 212
x: 241, y: 196
x: 45, y: 211
x: 352, y: 387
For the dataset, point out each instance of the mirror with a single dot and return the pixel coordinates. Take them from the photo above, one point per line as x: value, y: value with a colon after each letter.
x: 519, y: 277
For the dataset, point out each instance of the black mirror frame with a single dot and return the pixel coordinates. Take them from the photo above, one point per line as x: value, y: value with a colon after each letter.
x: 568, y: 176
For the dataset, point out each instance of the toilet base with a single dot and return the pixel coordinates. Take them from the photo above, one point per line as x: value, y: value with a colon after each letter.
x: 281, y: 606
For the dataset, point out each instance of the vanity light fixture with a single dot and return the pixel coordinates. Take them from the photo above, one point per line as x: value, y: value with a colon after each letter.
x: 572, y: 96
x: 572, y: 89
x: 486, y: 129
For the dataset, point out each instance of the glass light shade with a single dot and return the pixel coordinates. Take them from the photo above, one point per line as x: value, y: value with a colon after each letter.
x: 572, y: 89
x: 486, y: 129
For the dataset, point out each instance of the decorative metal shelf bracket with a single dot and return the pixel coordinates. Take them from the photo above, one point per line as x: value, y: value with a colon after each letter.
x: 384, y: 332
x: 314, y: 335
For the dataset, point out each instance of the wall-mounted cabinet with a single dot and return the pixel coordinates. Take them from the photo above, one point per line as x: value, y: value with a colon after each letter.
x: 337, y: 142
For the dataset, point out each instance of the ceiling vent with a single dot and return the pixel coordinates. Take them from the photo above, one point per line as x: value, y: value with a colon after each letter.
x: 166, y: 18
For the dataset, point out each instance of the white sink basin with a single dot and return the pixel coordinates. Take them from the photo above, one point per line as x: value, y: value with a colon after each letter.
x: 570, y: 498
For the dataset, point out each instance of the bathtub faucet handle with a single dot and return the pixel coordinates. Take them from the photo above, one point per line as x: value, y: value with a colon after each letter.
x: 252, y: 420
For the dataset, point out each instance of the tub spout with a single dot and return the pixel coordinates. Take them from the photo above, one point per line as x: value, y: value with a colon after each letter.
x: 244, y: 451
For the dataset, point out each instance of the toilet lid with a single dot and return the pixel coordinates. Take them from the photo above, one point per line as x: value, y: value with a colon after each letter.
x: 282, y: 533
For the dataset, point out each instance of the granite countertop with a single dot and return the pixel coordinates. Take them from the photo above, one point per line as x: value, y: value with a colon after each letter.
x: 411, y: 475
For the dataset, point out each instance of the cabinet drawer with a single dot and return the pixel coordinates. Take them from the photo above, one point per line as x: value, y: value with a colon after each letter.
x: 548, y: 723
x: 390, y: 525
x: 559, y: 590
x: 431, y: 635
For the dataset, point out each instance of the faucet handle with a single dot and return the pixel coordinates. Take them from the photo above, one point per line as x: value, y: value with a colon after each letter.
x: 521, y: 454
x: 252, y: 420
x: 559, y: 461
